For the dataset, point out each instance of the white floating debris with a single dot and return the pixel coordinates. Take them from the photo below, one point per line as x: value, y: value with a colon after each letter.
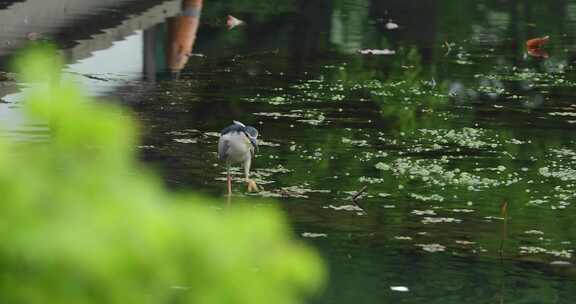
x: 213, y: 134
x: 268, y: 144
x: 560, y: 263
x: 313, y: 235
x: 464, y: 242
x: 344, y: 207
x: 462, y: 210
x: 185, y: 140
x: 531, y: 250
x: 399, y: 288
x: 423, y: 212
x: 434, y: 220
x: 232, y: 22
x: 433, y: 197
x: 534, y: 232
x: 562, y: 113
x: 391, y: 25
x: 432, y: 247
x: 402, y: 238
x: 376, y: 52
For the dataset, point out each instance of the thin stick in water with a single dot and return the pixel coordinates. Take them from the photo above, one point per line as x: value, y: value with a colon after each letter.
x: 355, y: 197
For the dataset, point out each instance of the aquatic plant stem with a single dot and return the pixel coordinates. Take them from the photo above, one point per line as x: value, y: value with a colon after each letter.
x: 504, y: 213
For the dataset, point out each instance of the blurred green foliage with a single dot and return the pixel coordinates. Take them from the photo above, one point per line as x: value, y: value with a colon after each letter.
x: 82, y: 222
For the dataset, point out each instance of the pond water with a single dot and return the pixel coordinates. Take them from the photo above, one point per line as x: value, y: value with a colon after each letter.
x: 462, y: 139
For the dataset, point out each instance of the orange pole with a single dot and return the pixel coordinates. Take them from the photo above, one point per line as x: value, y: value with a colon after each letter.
x: 183, y: 29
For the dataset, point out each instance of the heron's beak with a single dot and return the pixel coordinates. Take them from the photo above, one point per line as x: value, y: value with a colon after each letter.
x: 254, y: 143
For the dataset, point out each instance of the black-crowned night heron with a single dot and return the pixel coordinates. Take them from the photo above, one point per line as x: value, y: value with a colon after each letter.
x: 238, y: 144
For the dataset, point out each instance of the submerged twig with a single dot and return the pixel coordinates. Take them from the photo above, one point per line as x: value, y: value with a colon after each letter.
x: 355, y: 197
x: 95, y: 77
x: 89, y: 76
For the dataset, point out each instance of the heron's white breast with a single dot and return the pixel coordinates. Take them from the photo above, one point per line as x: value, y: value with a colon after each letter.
x: 238, y: 146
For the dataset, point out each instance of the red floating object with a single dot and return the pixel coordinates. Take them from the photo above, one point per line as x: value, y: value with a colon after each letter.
x: 537, y: 42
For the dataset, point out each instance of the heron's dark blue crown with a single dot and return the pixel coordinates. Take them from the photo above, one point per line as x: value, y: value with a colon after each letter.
x: 251, y: 131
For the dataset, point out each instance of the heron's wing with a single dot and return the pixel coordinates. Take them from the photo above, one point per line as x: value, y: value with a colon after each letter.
x: 223, y: 146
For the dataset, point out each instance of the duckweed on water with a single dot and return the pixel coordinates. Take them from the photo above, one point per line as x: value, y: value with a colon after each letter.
x: 424, y: 198
x: 430, y: 165
x: 472, y: 138
x: 537, y: 79
x: 434, y: 172
x: 565, y: 174
x: 262, y: 142
x: 370, y: 180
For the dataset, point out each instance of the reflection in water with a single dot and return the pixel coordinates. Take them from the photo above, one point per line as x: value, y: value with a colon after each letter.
x: 182, y: 32
x: 175, y: 38
x: 534, y: 47
x: 101, y: 42
x: 348, y: 26
x: 537, y: 52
